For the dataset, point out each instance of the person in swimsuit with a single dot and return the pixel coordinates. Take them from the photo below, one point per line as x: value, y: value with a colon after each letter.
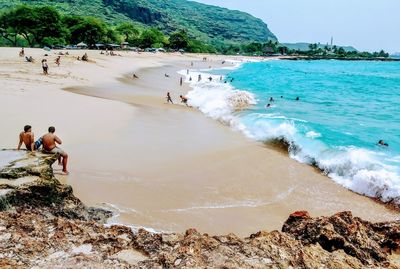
x: 382, y: 143
x: 184, y: 100
x: 45, y: 67
x: 27, y: 137
x: 58, y: 61
x: 169, y: 99
x: 50, y: 141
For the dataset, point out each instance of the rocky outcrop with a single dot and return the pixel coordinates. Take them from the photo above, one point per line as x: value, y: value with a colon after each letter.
x: 43, y: 225
x: 369, y: 242
x: 27, y: 180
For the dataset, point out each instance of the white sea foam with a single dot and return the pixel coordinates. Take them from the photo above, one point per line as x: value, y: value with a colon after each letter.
x: 360, y: 170
x: 216, y: 99
x: 312, y: 134
x: 250, y: 203
x: 118, y: 210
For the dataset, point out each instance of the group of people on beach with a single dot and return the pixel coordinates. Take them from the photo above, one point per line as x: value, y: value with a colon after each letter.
x: 184, y: 99
x: 47, y: 141
x: 111, y: 53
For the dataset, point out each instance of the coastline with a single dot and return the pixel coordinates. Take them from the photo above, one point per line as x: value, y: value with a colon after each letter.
x: 205, y: 175
x: 44, y: 225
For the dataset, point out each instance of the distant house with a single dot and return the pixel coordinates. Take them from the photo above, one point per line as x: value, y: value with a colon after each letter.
x: 100, y: 46
x: 113, y: 46
x: 124, y: 45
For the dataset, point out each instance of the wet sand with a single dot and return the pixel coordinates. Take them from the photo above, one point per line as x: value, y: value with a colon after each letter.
x: 169, y: 167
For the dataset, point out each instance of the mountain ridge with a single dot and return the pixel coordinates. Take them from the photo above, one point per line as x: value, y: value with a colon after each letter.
x: 208, y: 23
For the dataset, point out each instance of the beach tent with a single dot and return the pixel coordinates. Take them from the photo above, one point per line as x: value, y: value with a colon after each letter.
x: 81, y: 45
x: 100, y: 46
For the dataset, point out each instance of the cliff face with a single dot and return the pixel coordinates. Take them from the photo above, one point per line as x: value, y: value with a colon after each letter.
x: 42, y: 225
x: 204, y: 21
x: 207, y: 23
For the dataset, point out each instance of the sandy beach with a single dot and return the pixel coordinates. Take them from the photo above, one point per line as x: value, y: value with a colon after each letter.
x: 159, y: 166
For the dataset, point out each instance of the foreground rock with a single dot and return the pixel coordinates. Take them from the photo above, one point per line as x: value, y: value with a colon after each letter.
x: 43, y: 225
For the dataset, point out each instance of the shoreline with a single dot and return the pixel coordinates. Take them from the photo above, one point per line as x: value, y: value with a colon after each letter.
x: 44, y: 225
x: 196, y: 175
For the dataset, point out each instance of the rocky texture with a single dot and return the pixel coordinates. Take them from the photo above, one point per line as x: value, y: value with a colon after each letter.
x: 45, y: 226
x: 369, y: 242
x: 28, y: 181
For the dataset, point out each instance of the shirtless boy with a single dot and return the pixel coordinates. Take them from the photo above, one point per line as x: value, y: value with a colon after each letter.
x: 49, y: 145
x: 27, y: 138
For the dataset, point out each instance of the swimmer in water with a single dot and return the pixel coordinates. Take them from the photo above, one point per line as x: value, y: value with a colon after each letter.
x: 268, y: 106
x: 382, y: 143
x: 297, y: 98
x: 271, y: 99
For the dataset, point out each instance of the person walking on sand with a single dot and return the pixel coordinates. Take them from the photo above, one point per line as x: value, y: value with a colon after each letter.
x: 22, y: 53
x: 50, y: 141
x: 181, y: 81
x: 58, y: 61
x: 169, y: 99
x: 27, y: 137
x: 45, y: 67
x: 199, y: 78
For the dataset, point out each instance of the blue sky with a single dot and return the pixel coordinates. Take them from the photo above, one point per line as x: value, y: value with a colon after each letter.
x: 364, y: 24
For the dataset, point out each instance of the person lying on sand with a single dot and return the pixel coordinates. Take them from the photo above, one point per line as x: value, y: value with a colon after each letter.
x: 29, y: 59
x: 50, y: 141
x: 134, y: 76
x: 166, y: 75
x: 27, y: 137
x: 169, y: 99
x: 184, y: 100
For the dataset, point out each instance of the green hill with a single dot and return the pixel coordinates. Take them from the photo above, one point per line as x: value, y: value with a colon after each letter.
x: 208, y: 23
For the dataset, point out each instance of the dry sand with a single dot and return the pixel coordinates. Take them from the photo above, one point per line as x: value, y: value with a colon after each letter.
x: 165, y: 167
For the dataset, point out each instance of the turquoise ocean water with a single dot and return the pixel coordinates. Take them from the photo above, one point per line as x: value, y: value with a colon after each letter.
x: 344, y: 109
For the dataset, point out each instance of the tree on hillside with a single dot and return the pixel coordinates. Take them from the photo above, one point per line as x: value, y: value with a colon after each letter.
x: 35, y: 24
x: 179, y: 40
x: 313, y: 47
x: 151, y: 37
x: 341, y: 52
x: 7, y: 31
x: 47, y: 24
x: 89, y: 30
x: 128, y: 30
x: 253, y: 47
